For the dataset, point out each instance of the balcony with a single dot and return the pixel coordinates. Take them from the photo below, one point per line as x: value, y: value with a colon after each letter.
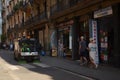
x: 61, y: 6
x: 68, y: 6
x: 21, y: 24
x: 28, y: 22
x: 9, y: 30
x: 3, y: 10
x: 18, y: 6
x: 53, y: 9
x: 35, y: 19
x: 74, y: 2
x: 16, y: 26
x: 3, y: 21
x: 10, y: 14
x: 24, y: 5
x: 31, y: 1
x: 42, y: 15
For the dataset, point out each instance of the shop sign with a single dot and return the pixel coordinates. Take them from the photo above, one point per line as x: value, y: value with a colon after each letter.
x: 93, y: 34
x: 103, y: 12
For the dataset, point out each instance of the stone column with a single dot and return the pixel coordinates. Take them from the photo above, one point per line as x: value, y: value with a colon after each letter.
x: 116, y: 53
x: 75, y: 43
x: 51, y: 28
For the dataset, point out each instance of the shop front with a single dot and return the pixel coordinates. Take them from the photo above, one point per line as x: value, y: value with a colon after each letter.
x: 102, y: 25
x: 106, y: 22
x: 84, y: 27
x: 64, y: 38
x: 37, y: 33
x: 53, y: 41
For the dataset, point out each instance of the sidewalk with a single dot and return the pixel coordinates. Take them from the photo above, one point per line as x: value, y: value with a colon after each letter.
x: 102, y: 73
x: 5, y: 74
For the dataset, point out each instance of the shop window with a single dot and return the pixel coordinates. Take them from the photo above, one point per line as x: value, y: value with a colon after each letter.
x: 64, y: 35
x: 84, y: 29
x: 106, y: 37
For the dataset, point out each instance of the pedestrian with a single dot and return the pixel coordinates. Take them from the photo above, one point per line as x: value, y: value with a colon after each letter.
x: 60, y: 48
x: 92, y: 53
x: 11, y: 46
x: 82, y: 51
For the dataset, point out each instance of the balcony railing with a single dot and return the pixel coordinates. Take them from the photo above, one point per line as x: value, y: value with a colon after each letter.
x: 42, y: 15
x: 65, y: 5
x: 31, y: 1
x: 74, y: 2
x: 9, y: 30
x: 29, y: 21
x: 16, y: 26
x: 20, y: 25
x: 60, y: 6
x: 10, y: 14
x: 36, y: 19
x: 53, y: 9
x: 3, y: 21
x: 18, y: 6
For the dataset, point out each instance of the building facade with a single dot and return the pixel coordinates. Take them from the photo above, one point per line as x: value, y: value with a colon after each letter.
x: 52, y: 20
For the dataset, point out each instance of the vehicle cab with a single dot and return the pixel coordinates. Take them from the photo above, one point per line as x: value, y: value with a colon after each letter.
x: 26, y: 49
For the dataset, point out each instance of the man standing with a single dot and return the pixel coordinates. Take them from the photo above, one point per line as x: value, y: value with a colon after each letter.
x: 82, y: 51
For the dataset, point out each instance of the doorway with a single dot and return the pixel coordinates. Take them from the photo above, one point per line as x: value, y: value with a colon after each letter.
x: 64, y: 35
x: 106, y: 38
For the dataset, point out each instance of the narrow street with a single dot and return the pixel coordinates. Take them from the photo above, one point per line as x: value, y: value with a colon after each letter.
x: 13, y: 70
x: 77, y: 39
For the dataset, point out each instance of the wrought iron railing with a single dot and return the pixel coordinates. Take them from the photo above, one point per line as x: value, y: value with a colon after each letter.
x: 16, y: 26
x: 35, y: 19
x: 63, y: 5
x: 42, y: 15
x: 53, y: 9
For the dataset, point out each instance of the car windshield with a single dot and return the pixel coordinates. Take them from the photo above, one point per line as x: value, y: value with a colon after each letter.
x: 28, y: 45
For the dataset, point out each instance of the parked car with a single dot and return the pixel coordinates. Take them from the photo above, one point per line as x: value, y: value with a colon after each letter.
x: 4, y: 45
x: 26, y: 49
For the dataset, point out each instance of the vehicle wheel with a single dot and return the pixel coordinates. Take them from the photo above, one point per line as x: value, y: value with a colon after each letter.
x: 18, y: 57
x: 29, y: 59
x: 15, y: 57
x: 39, y: 57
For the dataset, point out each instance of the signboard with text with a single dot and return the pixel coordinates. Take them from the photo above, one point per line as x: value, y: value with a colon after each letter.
x: 103, y: 12
x: 94, y: 34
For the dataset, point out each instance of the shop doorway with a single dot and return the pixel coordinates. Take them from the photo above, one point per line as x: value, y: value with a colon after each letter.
x: 106, y: 38
x: 64, y: 36
x: 84, y: 27
x: 84, y: 30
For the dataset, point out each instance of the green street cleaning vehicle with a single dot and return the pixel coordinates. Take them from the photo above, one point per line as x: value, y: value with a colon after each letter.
x: 27, y: 49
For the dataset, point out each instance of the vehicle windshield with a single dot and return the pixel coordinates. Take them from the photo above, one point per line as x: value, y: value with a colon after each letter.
x: 27, y: 45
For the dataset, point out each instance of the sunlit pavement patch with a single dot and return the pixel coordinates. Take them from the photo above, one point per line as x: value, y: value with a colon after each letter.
x: 7, y: 65
x: 0, y: 67
x: 28, y: 66
x: 41, y: 65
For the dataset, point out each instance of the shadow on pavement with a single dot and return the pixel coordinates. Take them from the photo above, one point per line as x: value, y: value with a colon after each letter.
x: 54, y: 74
